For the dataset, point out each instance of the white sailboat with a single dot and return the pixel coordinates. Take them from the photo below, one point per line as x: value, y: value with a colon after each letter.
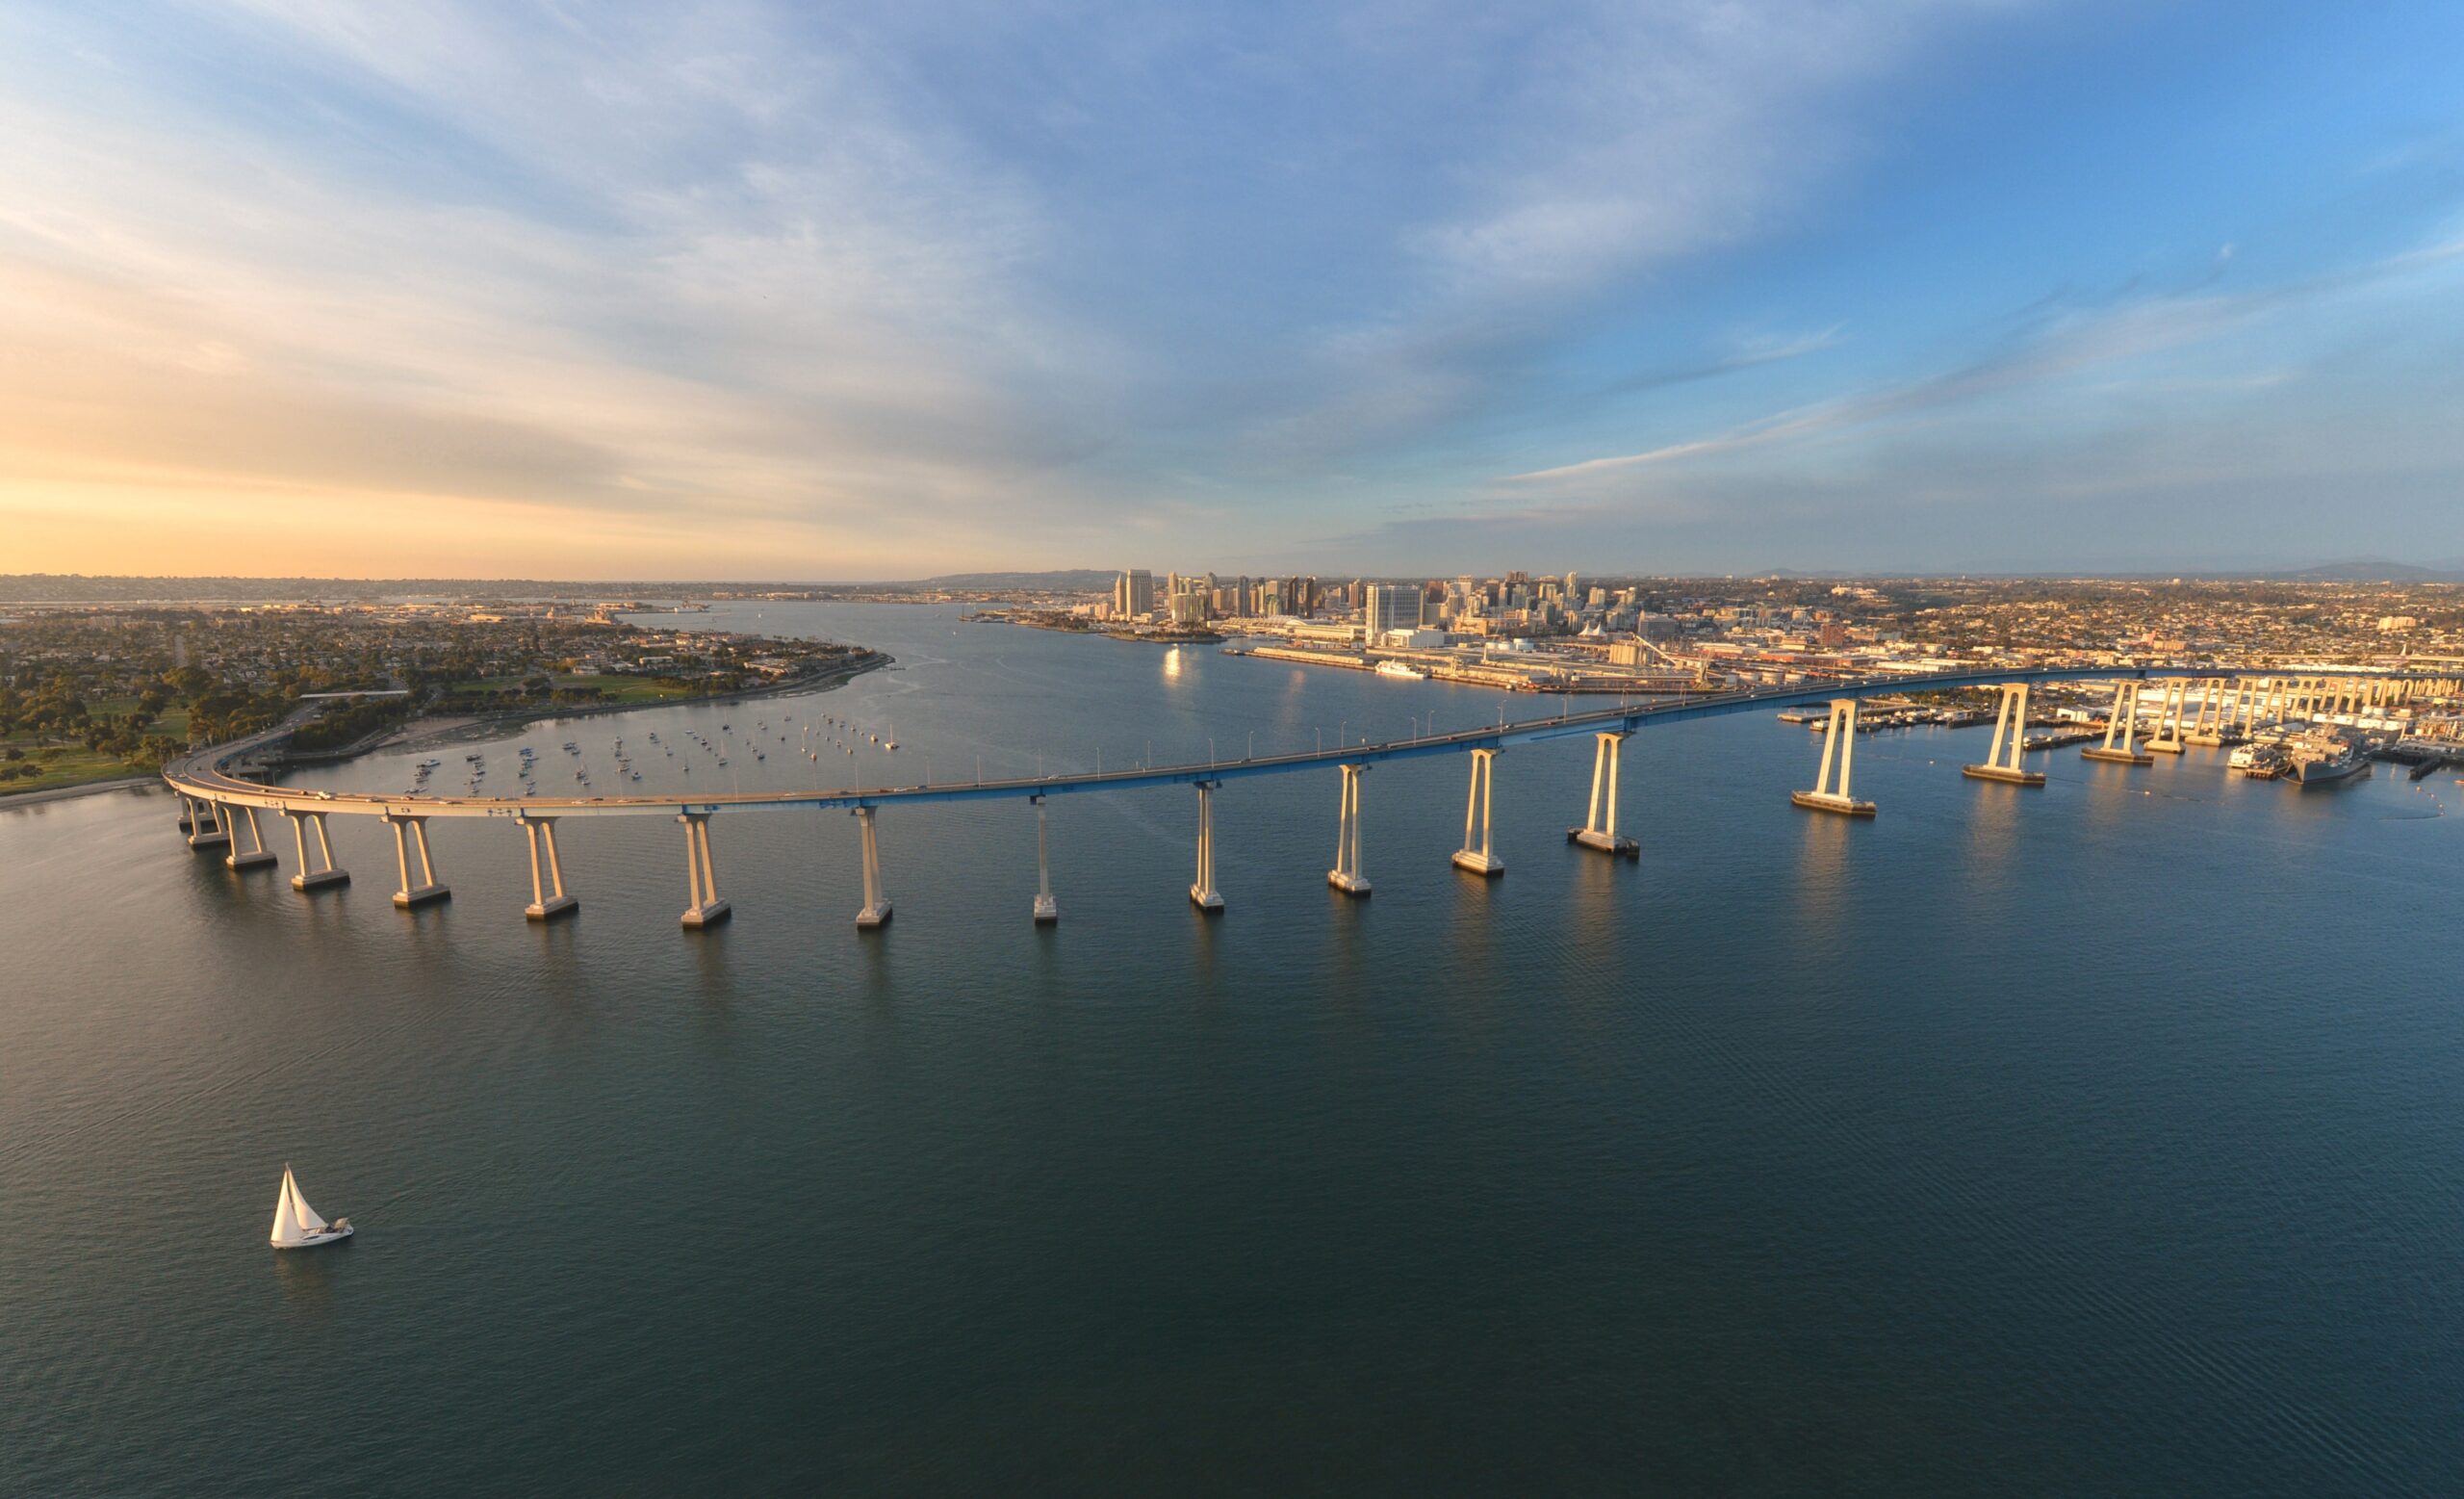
x: 297, y: 1226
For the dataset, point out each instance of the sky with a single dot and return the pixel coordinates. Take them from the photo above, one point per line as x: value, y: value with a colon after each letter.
x: 727, y: 290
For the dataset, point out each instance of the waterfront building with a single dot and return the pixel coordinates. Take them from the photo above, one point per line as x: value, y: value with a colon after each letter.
x: 1390, y: 607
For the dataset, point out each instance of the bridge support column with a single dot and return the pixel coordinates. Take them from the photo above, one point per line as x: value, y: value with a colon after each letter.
x: 208, y: 826
x: 548, y: 897
x: 2010, y: 737
x: 1476, y: 809
x: 1600, y: 820
x: 1047, y: 909
x: 1346, y: 874
x: 2168, y: 738
x: 701, y: 876
x: 2123, y: 724
x: 411, y: 830
x: 188, y: 813
x: 876, y: 904
x: 2213, y: 726
x: 256, y: 855
x: 310, y: 877
x: 1839, y: 739
x: 1202, y: 891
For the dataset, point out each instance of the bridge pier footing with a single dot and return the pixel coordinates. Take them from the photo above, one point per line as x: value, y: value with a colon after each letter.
x: 877, y: 910
x: 2124, y: 724
x: 2010, y: 736
x: 1348, y: 875
x: 548, y: 897
x: 1476, y: 809
x: 1599, y: 822
x: 1202, y: 891
x: 1839, y: 747
x: 206, y: 829
x: 702, y: 877
x: 310, y: 877
x: 1047, y: 909
x: 409, y: 831
x: 256, y: 855
x: 2168, y: 738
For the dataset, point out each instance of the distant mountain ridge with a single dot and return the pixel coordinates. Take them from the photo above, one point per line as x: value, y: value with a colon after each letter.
x: 2376, y: 570
x: 79, y: 588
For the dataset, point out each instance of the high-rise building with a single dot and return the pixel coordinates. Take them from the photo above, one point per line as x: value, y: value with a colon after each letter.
x: 1390, y: 607
x: 1134, y: 595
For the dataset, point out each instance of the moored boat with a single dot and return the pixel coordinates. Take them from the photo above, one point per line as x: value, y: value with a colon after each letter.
x: 2324, y: 760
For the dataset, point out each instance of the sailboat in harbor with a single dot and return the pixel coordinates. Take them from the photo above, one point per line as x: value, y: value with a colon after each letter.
x: 297, y: 1226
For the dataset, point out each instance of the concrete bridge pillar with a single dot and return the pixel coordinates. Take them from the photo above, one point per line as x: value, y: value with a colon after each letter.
x: 548, y: 897
x: 207, y: 827
x: 411, y: 830
x: 876, y: 910
x: 1599, y: 829
x: 1479, y: 861
x: 310, y: 877
x: 2168, y: 738
x: 1047, y: 910
x: 2213, y: 726
x: 1839, y: 746
x: 701, y: 876
x: 2124, y: 725
x: 2011, y: 729
x: 1202, y: 891
x: 256, y: 853
x: 1347, y: 875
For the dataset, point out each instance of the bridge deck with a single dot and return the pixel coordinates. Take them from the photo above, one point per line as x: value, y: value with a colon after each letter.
x: 202, y: 775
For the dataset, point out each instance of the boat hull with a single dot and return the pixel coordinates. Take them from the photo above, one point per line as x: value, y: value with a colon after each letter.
x: 2322, y: 773
x: 329, y: 1236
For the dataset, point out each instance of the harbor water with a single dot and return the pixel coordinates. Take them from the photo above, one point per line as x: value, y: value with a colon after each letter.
x: 2107, y: 1137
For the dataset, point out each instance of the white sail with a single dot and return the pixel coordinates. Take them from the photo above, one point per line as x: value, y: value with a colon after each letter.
x: 294, y: 1220
x: 286, y: 1228
x: 307, y: 1216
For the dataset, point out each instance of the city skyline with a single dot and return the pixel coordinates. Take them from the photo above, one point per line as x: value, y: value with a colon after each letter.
x: 754, y: 294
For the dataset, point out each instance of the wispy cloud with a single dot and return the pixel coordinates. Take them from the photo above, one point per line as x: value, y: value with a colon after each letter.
x: 2051, y: 348
x: 834, y: 289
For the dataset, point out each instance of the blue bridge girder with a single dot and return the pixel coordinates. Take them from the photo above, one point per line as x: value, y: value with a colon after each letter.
x: 202, y: 775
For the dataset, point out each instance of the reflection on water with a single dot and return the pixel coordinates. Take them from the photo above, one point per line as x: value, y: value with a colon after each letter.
x: 1825, y: 845
x: 1594, y: 1166
x: 306, y: 1277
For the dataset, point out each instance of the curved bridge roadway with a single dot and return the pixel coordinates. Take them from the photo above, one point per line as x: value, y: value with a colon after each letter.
x: 202, y: 775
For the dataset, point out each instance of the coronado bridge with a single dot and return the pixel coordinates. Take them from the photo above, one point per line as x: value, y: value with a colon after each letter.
x: 220, y: 807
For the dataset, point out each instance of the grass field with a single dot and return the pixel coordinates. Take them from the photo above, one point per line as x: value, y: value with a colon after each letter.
x: 74, y: 764
x: 62, y: 766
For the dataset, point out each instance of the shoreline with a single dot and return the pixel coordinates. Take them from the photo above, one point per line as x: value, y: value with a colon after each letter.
x: 471, y: 729
x: 62, y: 793
x: 424, y: 733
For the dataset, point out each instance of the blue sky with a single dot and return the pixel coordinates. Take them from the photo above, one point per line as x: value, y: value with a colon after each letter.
x: 764, y: 291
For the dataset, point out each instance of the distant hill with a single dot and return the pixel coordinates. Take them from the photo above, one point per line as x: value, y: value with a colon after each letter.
x: 2373, y: 570
x: 1075, y: 580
